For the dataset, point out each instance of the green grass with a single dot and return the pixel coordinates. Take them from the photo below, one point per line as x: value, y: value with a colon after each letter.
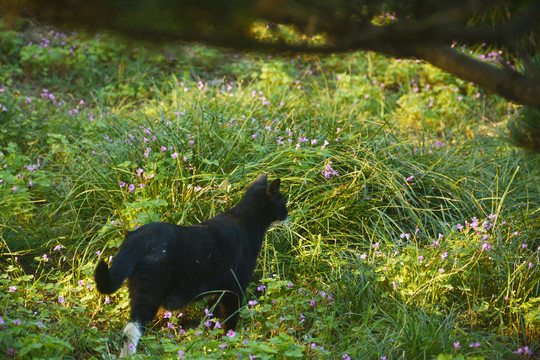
x: 413, y: 231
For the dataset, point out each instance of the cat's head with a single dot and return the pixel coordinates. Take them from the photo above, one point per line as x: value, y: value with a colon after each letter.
x: 271, y: 198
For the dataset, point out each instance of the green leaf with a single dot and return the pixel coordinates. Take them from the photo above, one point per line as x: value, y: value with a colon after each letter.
x: 29, y: 347
x: 211, y: 162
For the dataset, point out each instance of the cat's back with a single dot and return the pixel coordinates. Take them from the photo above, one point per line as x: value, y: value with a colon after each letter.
x: 154, y: 228
x: 150, y: 234
x: 172, y: 234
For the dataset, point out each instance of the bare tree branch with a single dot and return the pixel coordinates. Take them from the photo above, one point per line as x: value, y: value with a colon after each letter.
x: 509, y: 84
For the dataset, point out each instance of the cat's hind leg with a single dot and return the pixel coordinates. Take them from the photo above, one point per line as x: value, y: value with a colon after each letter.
x: 146, y: 291
x: 143, y: 310
x: 131, y: 337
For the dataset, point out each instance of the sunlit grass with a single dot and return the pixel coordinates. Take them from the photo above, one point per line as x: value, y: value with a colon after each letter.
x: 411, y: 233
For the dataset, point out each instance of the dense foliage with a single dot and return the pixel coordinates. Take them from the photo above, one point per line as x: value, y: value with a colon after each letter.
x: 413, y: 231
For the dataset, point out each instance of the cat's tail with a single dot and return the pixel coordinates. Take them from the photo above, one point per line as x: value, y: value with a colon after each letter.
x: 108, y: 280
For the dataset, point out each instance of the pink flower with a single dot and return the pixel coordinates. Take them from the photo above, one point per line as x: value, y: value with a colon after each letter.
x: 61, y: 299
x: 524, y: 350
x: 12, y: 288
x: 131, y: 187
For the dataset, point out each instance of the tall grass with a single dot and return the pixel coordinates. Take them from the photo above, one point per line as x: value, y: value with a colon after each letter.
x: 413, y: 230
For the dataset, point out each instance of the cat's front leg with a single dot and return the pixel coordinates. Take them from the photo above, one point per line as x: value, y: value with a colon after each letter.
x: 229, y: 306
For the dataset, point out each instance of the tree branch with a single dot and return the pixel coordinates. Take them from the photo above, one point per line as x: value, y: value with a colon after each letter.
x: 509, y: 84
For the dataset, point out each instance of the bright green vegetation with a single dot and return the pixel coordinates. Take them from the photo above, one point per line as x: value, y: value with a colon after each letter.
x: 413, y: 230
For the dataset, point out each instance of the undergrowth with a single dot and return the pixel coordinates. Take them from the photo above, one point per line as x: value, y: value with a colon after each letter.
x: 413, y: 228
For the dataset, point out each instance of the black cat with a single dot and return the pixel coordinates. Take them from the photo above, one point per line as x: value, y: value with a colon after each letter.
x: 170, y: 265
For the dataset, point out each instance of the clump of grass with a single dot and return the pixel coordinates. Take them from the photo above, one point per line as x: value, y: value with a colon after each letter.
x: 524, y: 130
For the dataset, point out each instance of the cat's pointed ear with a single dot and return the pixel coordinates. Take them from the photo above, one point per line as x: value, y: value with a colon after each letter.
x: 274, y: 186
x: 261, y: 180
